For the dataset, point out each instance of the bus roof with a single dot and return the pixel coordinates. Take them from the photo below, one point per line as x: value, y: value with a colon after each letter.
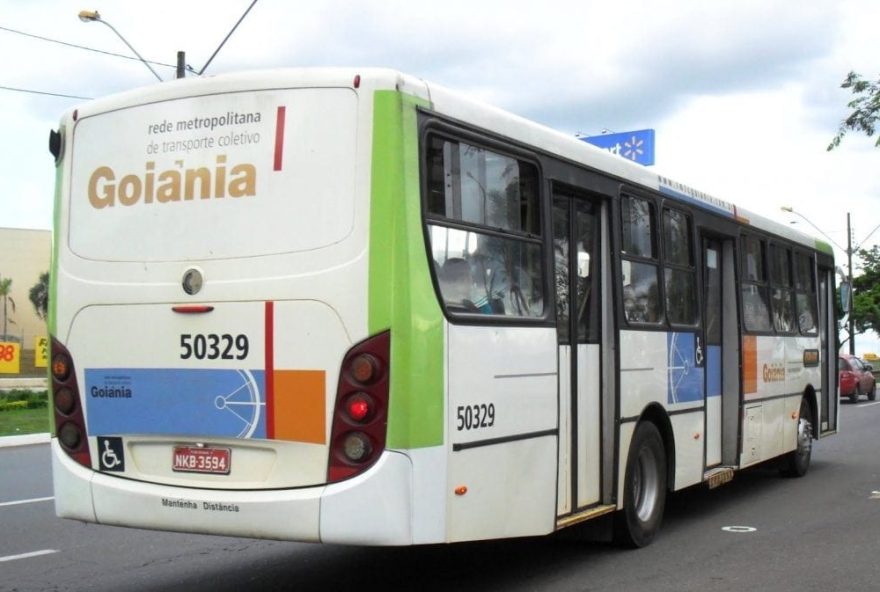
x: 517, y: 128
x: 456, y: 105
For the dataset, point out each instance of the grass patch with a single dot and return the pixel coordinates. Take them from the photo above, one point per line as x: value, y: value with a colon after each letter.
x: 23, y: 412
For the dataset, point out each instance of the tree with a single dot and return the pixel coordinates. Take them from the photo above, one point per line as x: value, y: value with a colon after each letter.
x: 6, y: 295
x: 865, y: 106
x: 866, y: 292
x: 39, y: 296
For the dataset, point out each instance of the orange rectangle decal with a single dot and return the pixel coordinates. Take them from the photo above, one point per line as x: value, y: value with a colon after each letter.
x: 299, y: 405
x: 750, y: 364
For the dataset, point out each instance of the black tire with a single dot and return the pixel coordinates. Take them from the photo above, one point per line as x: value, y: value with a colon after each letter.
x: 797, y: 462
x: 857, y: 392
x: 872, y: 395
x: 644, y: 489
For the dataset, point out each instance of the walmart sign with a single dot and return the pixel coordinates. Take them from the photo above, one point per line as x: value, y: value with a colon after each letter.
x: 637, y: 146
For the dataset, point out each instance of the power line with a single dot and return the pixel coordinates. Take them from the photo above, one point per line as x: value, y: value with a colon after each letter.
x: 40, y: 92
x: 109, y: 53
x: 225, y: 39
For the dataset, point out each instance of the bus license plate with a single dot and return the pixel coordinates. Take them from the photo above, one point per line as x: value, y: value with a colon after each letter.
x: 190, y: 459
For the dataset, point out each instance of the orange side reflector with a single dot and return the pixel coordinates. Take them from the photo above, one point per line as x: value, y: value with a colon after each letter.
x: 750, y: 364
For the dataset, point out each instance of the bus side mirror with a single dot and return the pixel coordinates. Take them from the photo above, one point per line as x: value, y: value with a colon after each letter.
x: 846, y: 297
x: 55, y: 144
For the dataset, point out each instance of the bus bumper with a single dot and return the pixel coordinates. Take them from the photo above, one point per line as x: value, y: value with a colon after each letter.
x: 371, y: 509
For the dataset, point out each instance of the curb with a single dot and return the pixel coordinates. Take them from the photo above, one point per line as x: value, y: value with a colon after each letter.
x: 33, y: 384
x: 24, y: 440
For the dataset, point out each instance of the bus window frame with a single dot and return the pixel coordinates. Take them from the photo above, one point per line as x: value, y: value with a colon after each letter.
x: 774, y: 283
x: 619, y: 257
x: 432, y: 125
x: 811, y: 290
x: 692, y: 267
x: 660, y: 204
x: 763, y: 282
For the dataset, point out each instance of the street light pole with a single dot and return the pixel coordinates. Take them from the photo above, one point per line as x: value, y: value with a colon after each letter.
x: 92, y: 16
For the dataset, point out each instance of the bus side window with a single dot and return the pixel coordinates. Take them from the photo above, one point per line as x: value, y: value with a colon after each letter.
x: 755, y: 297
x: 640, y: 265
x: 679, y: 271
x: 641, y: 292
x: 456, y: 284
x: 782, y: 294
x: 493, y: 200
x: 488, y: 274
x: 805, y: 286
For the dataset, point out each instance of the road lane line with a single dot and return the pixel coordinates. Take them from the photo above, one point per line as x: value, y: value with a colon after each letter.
x: 870, y: 404
x: 28, y: 555
x: 26, y: 501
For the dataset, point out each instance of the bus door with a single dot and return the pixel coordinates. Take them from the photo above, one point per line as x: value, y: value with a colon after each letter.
x: 720, y: 329
x: 576, y: 245
x: 829, y: 404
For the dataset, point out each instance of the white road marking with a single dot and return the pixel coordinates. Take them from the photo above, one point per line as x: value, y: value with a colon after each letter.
x: 28, y: 555
x: 26, y: 501
x: 875, y: 495
x: 738, y: 528
x: 870, y: 404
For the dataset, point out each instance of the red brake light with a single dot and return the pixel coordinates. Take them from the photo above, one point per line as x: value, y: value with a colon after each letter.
x: 360, y: 415
x: 192, y: 308
x: 359, y: 407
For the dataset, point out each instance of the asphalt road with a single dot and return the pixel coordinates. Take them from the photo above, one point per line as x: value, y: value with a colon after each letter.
x: 816, y: 533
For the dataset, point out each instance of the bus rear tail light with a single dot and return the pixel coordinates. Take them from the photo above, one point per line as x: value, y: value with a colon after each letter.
x: 70, y: 425
x: 360, y: 415
x: 360, y: 407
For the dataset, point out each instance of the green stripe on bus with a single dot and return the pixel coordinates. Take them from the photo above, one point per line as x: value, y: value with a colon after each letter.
x: 52, y: 320
x: 53, y: 267
x: 824, y: 247
x: 401, y: 296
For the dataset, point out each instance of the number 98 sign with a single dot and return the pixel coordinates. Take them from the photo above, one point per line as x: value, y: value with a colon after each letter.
x: 10, y: 358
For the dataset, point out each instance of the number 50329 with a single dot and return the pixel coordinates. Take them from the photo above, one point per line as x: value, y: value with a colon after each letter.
x: 474, y: 417
x: 214, y: 347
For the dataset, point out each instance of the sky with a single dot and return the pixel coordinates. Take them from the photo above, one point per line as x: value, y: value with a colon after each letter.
x: 743, y: 95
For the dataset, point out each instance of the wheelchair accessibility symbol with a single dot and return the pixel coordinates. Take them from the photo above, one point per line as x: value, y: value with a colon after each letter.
x: 112, y: 457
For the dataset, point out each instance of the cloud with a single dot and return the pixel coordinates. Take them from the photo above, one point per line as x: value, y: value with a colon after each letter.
x: 747, y: 68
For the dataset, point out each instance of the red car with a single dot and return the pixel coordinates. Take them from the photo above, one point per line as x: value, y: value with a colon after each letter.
x: 856, y: 378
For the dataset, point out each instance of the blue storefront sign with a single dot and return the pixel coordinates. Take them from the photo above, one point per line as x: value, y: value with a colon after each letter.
x: 637, y: 146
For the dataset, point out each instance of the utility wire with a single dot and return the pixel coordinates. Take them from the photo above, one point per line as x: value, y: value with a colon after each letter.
x: 225, y: 39
x: 40, y: 92
x: 109, y: 53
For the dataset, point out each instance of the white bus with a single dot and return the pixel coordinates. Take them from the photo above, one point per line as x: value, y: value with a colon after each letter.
x: 349, y: 306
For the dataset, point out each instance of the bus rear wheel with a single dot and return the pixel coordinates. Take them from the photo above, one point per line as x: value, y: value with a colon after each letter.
x: 644, y: 489
x: 797, y: 462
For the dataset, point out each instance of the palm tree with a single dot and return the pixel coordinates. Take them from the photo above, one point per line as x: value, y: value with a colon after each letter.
x: 39, y: 296
x: 6, y: 294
